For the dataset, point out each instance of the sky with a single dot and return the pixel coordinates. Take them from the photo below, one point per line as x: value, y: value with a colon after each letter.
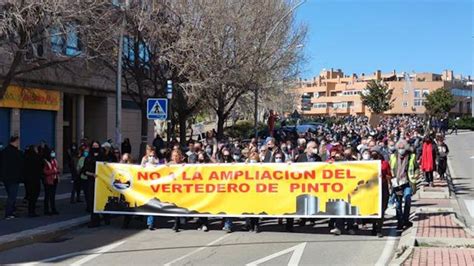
x: 361, y: 36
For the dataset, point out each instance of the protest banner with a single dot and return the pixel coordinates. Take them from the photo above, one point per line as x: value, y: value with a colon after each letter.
x: 340, y: 189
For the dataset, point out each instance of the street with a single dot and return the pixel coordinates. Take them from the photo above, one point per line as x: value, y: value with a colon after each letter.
x: 312, y: 244
x: 112, y: 245
x: 461, y: 158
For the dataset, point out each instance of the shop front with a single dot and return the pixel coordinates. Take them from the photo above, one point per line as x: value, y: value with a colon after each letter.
x: 31, y: 114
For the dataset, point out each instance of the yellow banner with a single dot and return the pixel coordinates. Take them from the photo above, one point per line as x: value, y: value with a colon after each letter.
x: 343, y: 189
x: 27, y: 98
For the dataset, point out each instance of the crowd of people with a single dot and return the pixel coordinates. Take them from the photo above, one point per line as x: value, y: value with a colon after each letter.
x: 407, y: 151
x: 35, y: 167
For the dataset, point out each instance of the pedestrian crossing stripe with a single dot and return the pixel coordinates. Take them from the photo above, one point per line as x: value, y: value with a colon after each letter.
x: 157, y: 108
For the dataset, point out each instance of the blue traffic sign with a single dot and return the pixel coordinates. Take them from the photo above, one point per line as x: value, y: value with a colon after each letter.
x: 157, y: 108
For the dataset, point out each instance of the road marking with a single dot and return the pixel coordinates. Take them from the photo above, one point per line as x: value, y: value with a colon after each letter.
x: 472, y: 157
x: 469, y: 206
x: 94, y: 253
x: 294, y: 260
x: 197, y: 250
x: 388, y: 247
x: 97, y: 253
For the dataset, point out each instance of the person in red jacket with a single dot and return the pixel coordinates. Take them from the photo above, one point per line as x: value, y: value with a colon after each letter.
x: 51, y: 179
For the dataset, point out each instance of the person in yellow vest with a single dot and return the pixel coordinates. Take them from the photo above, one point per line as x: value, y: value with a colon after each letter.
x: 404, y: 171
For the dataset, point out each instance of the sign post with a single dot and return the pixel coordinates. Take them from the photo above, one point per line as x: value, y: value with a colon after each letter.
x: 169, y: 95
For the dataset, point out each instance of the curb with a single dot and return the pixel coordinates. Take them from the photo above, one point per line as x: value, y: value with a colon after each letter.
x: 459, y: 216
x: 406, y: 244
x: 41, y: 233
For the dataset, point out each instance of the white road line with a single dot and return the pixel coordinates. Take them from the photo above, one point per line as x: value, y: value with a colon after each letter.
x: 94, y: 253
x: 294, y: 260
x: 197, y: 250
x: 97, y: 253
x: 388, y: 248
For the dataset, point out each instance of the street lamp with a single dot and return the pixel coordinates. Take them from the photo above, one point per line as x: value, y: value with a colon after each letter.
x: 169, y: 96
x: 118, y: 83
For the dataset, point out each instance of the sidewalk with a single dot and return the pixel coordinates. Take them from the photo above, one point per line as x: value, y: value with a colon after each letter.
x: 437, y: 237
x: 24, y: 230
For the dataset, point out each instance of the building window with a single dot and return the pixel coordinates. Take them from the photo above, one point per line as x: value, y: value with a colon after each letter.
x: 67, y: 43
x: 319, y: 105
x: 405, y: 104
x: 129, y: 50
x: 418, y: 102
x: 417, y: 93
x: 339, y: 105
x: 72, y: 41
x: 405, y: 91
x: 57, y: 41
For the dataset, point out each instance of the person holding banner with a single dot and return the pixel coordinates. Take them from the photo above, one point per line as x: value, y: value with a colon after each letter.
x: 226, y: 158
x: 89, y: 170
x: 150, y: 160
x: 386, y: 175
x: 177, y: 158
x: 252, y: 224
x: 310, y: 155
x: 126, y: 159
x: 202, y: 222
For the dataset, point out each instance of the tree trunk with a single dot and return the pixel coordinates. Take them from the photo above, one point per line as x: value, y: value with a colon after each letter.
x: 182, y: 128
x: 220, y: 126
x: 143, y: 131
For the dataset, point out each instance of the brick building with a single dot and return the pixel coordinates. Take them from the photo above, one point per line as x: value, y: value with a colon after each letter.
x: 334, y: 93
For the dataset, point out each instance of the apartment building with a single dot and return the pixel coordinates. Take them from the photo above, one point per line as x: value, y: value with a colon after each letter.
x: 334, y: 93
x: 64, y: 103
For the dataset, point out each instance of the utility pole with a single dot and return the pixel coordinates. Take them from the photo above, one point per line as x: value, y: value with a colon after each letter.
x: 256, y: 111
x: 118, y: 83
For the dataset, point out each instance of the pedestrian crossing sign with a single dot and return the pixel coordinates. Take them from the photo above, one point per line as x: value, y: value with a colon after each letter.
x: 157, y: 108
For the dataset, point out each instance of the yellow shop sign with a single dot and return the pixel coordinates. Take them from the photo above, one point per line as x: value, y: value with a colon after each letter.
x: 28, y: 98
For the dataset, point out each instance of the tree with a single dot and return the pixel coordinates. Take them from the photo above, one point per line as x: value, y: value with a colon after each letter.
x: 254, y: 44
x: 439, y: 102
x: 378, y: 97
x: 29, y: 27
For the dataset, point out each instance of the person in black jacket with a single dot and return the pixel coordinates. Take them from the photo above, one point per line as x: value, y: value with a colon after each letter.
x: 33, y: 175
x: 89, y: 170
x: 126, y: 146
x: 11, y: 174
x: 311, y: 153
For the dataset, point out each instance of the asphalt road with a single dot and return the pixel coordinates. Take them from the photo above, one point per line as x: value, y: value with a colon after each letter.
x: 109, y: 245
x: 461, y: 158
